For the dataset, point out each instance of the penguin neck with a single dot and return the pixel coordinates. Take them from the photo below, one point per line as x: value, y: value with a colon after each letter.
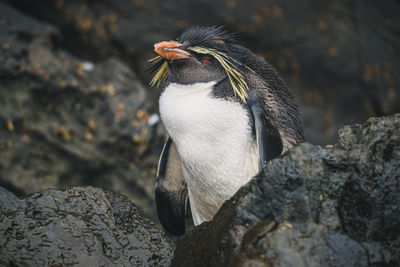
x: 220, y: 88
x: 195, y: 88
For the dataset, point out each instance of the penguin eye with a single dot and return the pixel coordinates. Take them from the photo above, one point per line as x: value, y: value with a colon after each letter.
x: 205, y: 59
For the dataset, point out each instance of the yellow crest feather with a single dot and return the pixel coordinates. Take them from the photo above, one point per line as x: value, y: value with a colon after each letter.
x: 235, y: 75
x: 161, y: 73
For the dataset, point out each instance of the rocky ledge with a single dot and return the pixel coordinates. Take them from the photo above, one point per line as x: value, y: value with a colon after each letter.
x: 314, y: 206
x: 81, y: 226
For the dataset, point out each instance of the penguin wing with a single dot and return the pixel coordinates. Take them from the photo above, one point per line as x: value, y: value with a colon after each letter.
x: 268, y: 138
x: 171, y: 190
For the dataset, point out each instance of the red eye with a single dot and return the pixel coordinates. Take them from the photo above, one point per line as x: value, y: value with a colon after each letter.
x: 206, y: 61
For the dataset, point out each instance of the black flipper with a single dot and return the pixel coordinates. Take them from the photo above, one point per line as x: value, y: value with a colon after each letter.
x: 268, y: 138
x: 171, y: 190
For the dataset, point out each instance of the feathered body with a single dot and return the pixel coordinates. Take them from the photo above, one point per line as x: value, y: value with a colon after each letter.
x: 214, y: 141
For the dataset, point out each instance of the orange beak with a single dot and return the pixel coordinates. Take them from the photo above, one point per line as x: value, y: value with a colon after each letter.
x: 169, y: 50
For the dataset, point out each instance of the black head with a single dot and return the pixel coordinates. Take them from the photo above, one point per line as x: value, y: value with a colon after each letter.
x: 201, y: 54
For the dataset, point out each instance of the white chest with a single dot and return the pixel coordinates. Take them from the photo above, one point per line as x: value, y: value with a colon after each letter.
x: 214, y: 140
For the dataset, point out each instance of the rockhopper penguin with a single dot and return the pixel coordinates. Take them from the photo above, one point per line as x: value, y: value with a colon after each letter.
x: 227, y: 113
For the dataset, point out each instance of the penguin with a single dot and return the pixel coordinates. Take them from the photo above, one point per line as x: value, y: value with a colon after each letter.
x: 227, y: 113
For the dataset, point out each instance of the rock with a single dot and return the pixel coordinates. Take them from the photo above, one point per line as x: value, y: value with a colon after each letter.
x: 298, y: 244
x: 66, y: 121
x: 332, y: 54
x: 82, y: 226
x: 314, y: 206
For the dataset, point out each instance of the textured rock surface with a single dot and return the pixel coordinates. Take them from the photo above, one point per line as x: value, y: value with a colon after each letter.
x: 299, y: 244
x: 314, y: 206
x: 82, y: 226
x: 333, y: 53
x: 67, y: 122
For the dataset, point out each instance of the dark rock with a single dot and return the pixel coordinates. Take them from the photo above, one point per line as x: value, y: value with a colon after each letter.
x: 342, y: 202
x: 341, y: 57
x: 82, y: 226
x: 298, y: 244
x: 67, y: 122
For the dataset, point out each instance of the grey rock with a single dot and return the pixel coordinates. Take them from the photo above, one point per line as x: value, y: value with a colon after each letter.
x: 341, y: 57
x: 298, y: 244
x: 342, y: 201
x: 65, y: 121
x: 81, y: 226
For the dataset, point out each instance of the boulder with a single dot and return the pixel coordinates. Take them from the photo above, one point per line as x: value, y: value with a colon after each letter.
x: 66, y: 121
x: 299, y: 244
x: 314, y: 206
x: 332, y: 54
x: 83, y: 226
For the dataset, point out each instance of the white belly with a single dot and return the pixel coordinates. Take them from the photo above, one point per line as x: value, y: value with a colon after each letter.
x: 214, y: 140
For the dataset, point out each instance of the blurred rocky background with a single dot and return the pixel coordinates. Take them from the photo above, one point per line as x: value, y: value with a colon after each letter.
x: 76, y: 108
